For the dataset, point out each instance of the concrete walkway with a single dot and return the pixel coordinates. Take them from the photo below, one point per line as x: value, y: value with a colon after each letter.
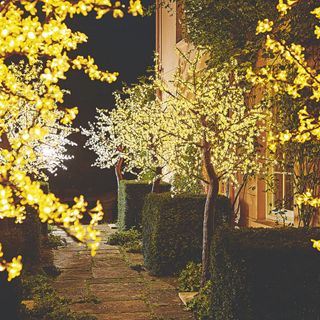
x: 113, y: 286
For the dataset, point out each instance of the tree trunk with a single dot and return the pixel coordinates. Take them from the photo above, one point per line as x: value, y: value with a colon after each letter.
x: 208, y: 215
x: 118, y: 171
x: 4, y: 142
x: 156, y: 181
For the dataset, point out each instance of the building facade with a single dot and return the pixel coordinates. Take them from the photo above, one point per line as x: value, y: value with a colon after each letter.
x: 257, y: 204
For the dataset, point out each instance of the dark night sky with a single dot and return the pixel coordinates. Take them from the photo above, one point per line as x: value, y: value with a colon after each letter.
x: 124, y: 45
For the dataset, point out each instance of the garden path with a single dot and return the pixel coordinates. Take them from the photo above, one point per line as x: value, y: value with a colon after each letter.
x: 113, y: 285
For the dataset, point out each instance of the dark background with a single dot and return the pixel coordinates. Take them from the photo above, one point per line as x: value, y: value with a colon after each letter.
x: 125, y: 45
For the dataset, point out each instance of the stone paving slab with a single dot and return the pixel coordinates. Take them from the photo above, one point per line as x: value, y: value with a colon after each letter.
x: 126, y: 316
x: 62, y: 285
x: 112, y: 307
x: 109, y: 289
x: 120, y: 295
x: 110, y: 272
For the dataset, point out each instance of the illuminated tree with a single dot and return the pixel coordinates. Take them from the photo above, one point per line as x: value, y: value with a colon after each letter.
x: 130, y: 133
x: 300, y: 161
x: 206, y: 115
x: 202, y: 130
x: 51, y: 152
x: 293, y: 69
x: 36, y: 30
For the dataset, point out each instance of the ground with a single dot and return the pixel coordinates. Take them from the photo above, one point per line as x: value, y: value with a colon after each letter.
x: 114, y: 285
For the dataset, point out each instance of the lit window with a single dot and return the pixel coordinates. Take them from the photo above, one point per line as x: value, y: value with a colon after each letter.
x: 281, y: 198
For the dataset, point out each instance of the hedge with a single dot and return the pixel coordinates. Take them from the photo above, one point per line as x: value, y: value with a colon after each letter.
x: 10, y: 296
x: 22, y: 239
x: 172, y: 230
x: 265, y: 274
x: 131, y: 195
x: 18, y: 239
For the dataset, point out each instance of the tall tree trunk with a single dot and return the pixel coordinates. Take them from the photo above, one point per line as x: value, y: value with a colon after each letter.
x: 209, y: 214
x: 156, y: 181
x: 118, y: 171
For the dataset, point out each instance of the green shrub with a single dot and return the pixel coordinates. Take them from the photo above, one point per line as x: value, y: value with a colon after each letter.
x: 130, y: 239
x: 54, y: 241
x: 200, y: 305
x: 189, y: 278
x: 35, y: 285
x: 18, y: 239
x: 134, y: 247
x: 265, y: 274
x: 131, y: 196
x: 48, y: 304
x: 123, y: 237
x: 22, y: 239
x: 172, y: 230
x: 224, y: 212
x: 10, y: 296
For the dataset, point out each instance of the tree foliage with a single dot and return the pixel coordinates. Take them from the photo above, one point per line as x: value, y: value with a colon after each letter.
x: 206, y: 111
x: 204, y: 128
x: 207, y: 104
x: 36, y: 30
x: 226, y: 27
x: 299, y: 160
x: 293, y: 69
x: 130, y: 131
x: 49, y: 154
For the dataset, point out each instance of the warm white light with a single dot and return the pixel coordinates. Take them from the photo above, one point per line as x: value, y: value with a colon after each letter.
x: 47, y: 151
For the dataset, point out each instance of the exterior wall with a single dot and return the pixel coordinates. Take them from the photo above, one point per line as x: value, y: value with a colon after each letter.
x: 166, y: 40
x: 253, y: 200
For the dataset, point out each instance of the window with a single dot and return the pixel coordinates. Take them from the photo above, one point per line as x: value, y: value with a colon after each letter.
x: 281, y: 197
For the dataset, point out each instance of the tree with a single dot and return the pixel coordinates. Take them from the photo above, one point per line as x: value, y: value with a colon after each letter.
x: 36, y: 30
x: 226, y: 27
x: 292, y: 69
x: 130, y: 133
x: 300, y: 160
x: 207, y: 111
x: 51, y: 152
x: 202, y: 130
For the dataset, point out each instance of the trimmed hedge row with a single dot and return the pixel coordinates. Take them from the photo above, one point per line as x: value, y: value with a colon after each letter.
x: 18, y: 239
x: 265, y: 274
x: 10, y: 296
x: 131, y: 195
x: 22, y: 239
x: 172, y: 230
